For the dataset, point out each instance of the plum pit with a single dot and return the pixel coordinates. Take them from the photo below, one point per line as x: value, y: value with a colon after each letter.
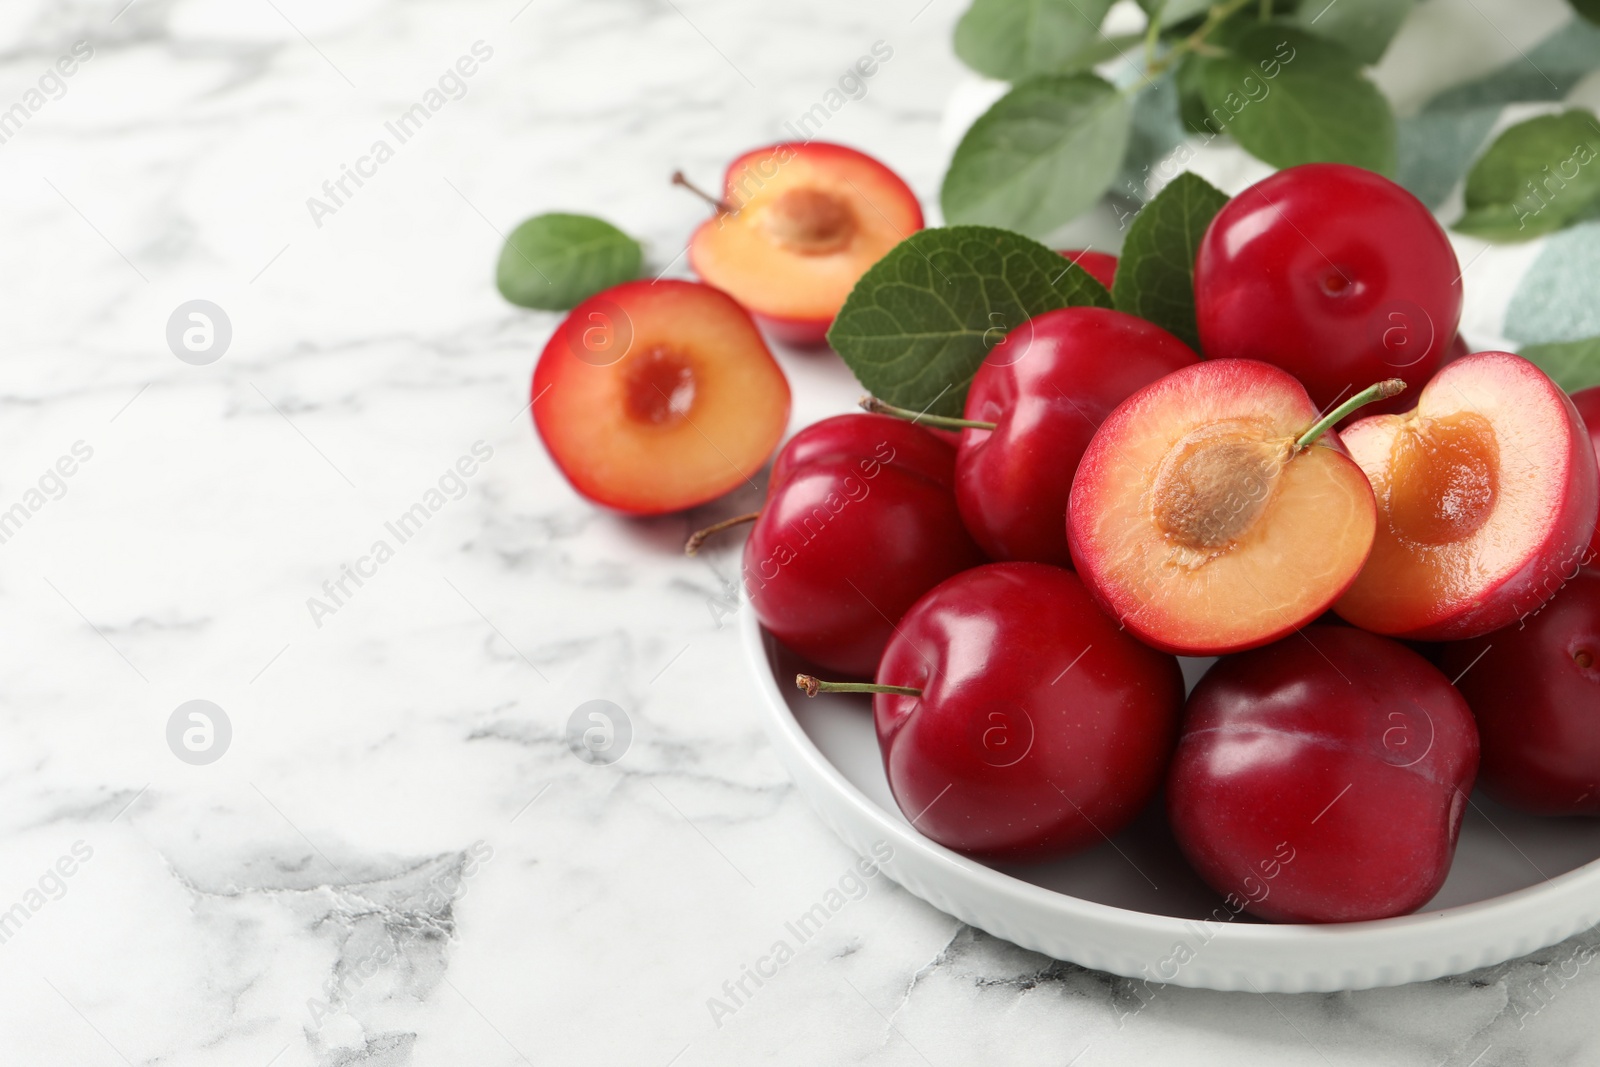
x: 811, y: 222
x: 1215, y: 483
x: 659, y: 386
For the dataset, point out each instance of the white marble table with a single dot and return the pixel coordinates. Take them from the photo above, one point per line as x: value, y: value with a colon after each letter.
x: 398, y: 860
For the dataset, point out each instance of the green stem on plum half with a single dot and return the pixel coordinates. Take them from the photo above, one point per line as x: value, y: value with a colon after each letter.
x: 1381, y: 391
x: 698, y: 538
x: 722, y: 206
x: 943, y: 422
x: 813, y: 686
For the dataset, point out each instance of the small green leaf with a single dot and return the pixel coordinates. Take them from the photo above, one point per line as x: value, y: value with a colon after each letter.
x: 1155, y: 276
x: 554, y: 262
x: 1589, y: 9
x: 1364, y: 27
x: 1040, y: 156
x: 918, y: 324
x: 1017, y: 39
x: 1537, y: 177
x: 1289, y: 97
x: 1573, y: 365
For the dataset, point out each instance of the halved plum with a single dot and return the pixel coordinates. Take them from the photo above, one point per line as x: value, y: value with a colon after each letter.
x: 661, y: 396
x: 797, y: 225
x: 1213, y: 511
x: 1487, y: 498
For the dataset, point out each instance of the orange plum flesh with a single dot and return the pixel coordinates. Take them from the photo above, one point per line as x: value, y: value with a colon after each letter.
x: 1199, y: 524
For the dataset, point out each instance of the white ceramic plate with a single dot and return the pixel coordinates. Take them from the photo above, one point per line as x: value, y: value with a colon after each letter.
x: 1132, y: 907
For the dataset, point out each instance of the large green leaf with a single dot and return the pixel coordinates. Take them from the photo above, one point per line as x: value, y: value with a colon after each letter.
x: 1155, y: 276
x: 1040, y: 156
x: 1290, y: 97
x: 1017, y: 39
x: 556, y: 261
x: 1589, y: 9
x: 1573, y: 365
x: 1537, y: 177
x: 918, y: 324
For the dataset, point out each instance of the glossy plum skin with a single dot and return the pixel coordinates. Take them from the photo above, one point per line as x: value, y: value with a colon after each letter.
x: 1587, y: 401
x: 1534, y: 688
x: 1040, y: 727
x: 1323, y: 778
x: 860, y: 520
x: 1335, y: 274
x: 1047, y: 387
x: 1102, y: 266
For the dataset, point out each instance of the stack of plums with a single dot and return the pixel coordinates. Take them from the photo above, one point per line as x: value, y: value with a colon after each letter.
x: 1383, y: 540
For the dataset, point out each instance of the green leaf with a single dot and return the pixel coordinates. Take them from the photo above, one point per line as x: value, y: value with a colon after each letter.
x: 1364, y: 27
x: 1537, y: 177
x: 1017, y: 39
x: 1289, y: 97
x: 919, y: 323
x: 1589, y: 9
x: 1155, y: 276
x: 554, y: 262
x: 1040, y: 156
x: 1573, y: 365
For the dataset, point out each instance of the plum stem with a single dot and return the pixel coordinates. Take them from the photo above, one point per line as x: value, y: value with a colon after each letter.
x: 698, y: 538
x: 813, y: 686
x: 722, y: 206
x: 1381, y: 391
x: 944, y: 422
